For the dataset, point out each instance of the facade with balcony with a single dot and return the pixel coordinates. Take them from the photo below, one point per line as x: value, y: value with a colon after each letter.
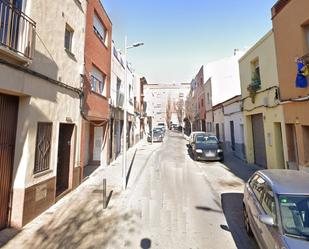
x: 96, y: 88
x: 116, y: 102
x: 41, y: 56
x: 264, y: 127
x: 292, y: 49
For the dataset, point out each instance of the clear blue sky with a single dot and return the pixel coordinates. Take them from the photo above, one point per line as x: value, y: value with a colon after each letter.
x: 182, y: 35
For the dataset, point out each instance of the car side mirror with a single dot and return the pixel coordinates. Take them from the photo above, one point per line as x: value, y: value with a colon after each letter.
x: 267, y: 220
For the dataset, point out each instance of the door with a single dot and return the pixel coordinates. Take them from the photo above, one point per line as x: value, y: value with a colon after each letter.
x: 65, y: 157
x: 232, y: 135
x: 98, y: 141
x: 259, y: 140
x: 279, y: 146
x: 111, y: 140
x: 8, y: 123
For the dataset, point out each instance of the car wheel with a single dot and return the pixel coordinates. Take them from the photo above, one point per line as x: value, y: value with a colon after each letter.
x: 246, y: 221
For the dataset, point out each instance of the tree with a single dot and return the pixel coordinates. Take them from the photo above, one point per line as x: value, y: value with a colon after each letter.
x: 169, y: 111
x: 179, y: 107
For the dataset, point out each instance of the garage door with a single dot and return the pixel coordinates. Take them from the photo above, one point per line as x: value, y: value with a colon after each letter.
x: 8, y: 121
x: 259, y: 140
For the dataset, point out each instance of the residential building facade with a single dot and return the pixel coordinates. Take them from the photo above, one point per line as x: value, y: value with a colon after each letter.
x: 234, y: 137
x: 290, y: 25
x: 41, y: 67
x: 96, y: 88
x: 263, y: 115
x: 218, y: 120
x: 206, y: 90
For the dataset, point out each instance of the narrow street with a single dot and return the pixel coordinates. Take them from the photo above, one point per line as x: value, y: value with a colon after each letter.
x: 171, y: 200
x: 180, y: 201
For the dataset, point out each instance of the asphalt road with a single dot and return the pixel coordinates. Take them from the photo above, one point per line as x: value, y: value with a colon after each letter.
x: 186, y: 204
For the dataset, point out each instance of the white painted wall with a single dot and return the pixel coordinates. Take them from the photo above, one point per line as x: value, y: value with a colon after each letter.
x: 224, y: 76
x: 233, y: 112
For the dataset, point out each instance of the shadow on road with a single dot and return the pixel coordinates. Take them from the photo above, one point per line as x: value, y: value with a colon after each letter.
x: 208, y: 209
x: 232, y: 209
x: 7, y: 234
x: 238, y: 167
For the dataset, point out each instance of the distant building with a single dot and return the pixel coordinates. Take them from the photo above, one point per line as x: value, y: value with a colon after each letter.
x: 214, y: 83
x: 166, y: 102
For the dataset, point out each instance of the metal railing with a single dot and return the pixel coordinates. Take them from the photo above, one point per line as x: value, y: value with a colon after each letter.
x: 97, y: 85
x: 16, y: 30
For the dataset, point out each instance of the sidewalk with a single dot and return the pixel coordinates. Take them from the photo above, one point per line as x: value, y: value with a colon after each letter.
x: 79, y: 220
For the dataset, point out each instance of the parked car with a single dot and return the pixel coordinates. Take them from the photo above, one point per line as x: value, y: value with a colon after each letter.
x: 193, y: 134
x: 162, y: 125
x: 160, y: 129
x: 157, y: 136
x: 276, y: 208
x: 207, y: 147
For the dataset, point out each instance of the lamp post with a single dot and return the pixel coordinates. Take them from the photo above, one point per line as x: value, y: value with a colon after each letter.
x: 124, y: 156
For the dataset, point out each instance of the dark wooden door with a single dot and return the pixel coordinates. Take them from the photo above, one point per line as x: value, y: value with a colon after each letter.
x: 64, y: 157
x: 8, y: 122
x: 259, y: 140
x: 232, y: 135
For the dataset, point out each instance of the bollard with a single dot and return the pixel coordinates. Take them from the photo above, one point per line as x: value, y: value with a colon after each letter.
x: 104, y: 194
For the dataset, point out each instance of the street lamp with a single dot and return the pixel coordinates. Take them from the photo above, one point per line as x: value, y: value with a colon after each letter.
x: 124, y: 157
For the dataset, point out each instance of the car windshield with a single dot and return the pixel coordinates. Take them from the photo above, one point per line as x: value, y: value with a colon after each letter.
x: 206, y: 139
x: 295, y: 215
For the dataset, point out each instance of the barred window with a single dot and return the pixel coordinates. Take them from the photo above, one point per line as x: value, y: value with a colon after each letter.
x: 43, y: 147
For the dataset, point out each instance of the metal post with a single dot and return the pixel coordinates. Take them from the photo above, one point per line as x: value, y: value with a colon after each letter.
x: 104, y: 194
x: 151, y: 130
x: 124, y: 159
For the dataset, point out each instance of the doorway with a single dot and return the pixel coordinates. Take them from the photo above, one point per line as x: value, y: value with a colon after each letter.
x: 8, y: 124
x: 65, y: 157
x: 111, y: 140
x: 259, y: 140
x: 279, y: 146
x: 232, y: 135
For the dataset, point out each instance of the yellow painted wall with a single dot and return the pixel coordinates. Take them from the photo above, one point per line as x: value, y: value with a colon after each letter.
x: 265, y: 102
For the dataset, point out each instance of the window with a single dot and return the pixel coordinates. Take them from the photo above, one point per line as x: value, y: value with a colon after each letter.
x: 43, y: 147
x: 208, y: 98
x: 98, y: 81
x: 268, y: 203
x: 255, y: 74
x: 68, y: 38
x: 99, y: 29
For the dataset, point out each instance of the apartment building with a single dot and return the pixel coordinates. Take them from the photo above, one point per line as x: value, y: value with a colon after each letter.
x: 263, y: 115
x: 96, y: 88
x: 41, y: 62
x: 207, y: 90
x: 166, y: 102
x: 291, y: 33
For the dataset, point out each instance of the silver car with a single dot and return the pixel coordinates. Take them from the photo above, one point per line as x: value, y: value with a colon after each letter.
x: 276, y: 209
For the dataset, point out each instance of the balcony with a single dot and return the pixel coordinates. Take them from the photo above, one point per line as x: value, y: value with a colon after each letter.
x: 17, y: 32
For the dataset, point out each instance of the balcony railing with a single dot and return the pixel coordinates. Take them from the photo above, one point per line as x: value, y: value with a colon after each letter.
x: 16, y: 30
x: 97, y: 85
